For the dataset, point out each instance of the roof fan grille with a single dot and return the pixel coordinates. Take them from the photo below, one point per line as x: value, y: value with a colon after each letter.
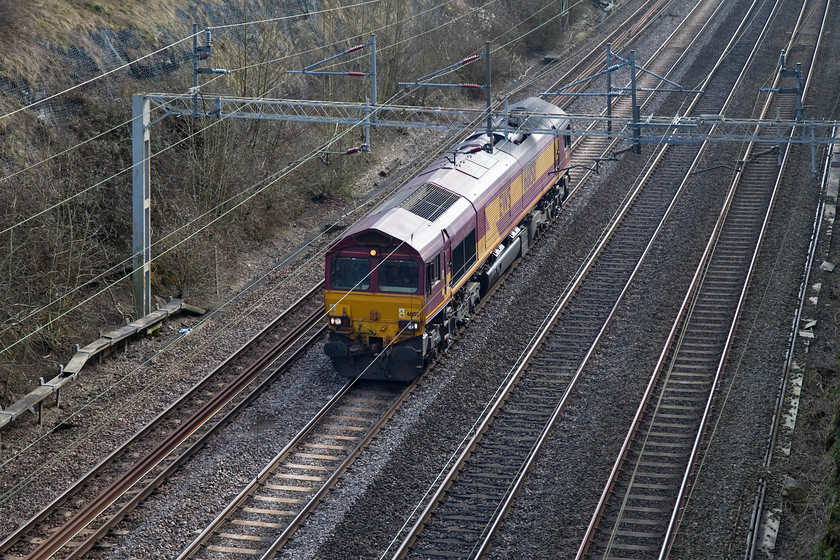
x: 429, y: 201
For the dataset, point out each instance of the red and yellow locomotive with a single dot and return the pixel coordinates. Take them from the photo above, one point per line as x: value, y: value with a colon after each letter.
x: 401, y: 280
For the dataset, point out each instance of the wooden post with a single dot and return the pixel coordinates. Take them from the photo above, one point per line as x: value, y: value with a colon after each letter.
x: 216, y: 259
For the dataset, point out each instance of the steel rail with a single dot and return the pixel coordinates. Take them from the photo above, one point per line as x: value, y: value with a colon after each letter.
x: 687, y: 300
x: 674, y: 35
x: 686, y: 303
x: 240, y: 499
x: 9, y: 541
x: 214, y: 525
x: 316, y: 499
x: 520, y: 479
x: 682, y: 319
x: 144, y: 494
x: 159, y: 479
x: 14, y: 537
x: 130, y: 477
x: 468, y: 450
x: 548, y: 326
x: 294, y: 444
x: 516, y: 484
x: 683, y: 487
x: 590, y: 532
x: 670, y: 533
x: 506, y: 505
x: 623, y: 34
x: 758, y: 504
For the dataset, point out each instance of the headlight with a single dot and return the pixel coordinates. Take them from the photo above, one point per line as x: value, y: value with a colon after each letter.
x: 409, y: 327
x: 340, y: 322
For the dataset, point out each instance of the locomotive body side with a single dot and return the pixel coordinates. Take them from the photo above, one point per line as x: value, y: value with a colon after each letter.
x: 451, y: 232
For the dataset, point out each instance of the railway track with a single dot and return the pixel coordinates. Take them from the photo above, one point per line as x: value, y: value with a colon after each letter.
x: 598, y: 149
x: 462, y: 516
x: 40, y: 533
x: 307, y: 467
x: 270, y: 508
x: 228, y: 541
x: 764, y: 519
x: 33, y: 536
x: 247, y: 527
x: 71, y: 524
x: 640, y: 508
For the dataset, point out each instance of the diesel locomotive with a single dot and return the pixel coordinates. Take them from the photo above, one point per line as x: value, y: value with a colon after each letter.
x: 400, y: 282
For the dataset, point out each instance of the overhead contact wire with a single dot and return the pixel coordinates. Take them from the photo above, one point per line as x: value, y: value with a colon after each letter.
x: 161, y: 378
x: 171, y: 45
x: 435, y: 153
x: 163, y: 151
x: 155, y: 154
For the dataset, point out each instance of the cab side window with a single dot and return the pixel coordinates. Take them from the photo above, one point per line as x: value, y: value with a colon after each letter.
x: 432, y: 273
x: 350, y: 273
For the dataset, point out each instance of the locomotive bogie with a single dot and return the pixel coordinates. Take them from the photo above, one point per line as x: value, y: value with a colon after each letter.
x: 403, y: 362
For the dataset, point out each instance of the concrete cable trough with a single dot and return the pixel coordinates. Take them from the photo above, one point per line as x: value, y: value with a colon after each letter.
x: 104, y: 345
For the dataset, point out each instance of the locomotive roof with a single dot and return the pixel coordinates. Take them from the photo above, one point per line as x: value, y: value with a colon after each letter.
x: 421, y: 234
x: 531, y: 105
x: 451, y: 187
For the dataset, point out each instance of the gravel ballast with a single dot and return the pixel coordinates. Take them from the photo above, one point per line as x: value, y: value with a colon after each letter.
x: 370, y: 506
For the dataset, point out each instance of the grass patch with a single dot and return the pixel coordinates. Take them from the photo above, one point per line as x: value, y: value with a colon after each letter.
x: 63, y: 24
x: 829, y: 546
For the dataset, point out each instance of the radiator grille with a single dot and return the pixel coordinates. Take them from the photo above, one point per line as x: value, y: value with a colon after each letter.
x: 429, y: 201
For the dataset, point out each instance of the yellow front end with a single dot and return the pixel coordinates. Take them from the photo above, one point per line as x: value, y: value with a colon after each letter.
x: 375, y: 315
x: 375, y: 335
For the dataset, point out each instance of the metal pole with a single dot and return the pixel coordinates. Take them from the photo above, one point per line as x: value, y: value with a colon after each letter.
x: 373, y: 70
x: 489, y: 95
x: 609, y: 89
x: 141, y: 205
x: 507, y: 121
x: 799, y: 107
x: 637, y: 147
x: 564, y: 6
x: 368, y: 118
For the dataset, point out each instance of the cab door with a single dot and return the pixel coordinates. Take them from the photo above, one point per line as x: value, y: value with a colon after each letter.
x: 447, y: 263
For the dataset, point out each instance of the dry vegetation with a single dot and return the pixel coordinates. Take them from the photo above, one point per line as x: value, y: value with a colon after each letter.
x: 65, y: 208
